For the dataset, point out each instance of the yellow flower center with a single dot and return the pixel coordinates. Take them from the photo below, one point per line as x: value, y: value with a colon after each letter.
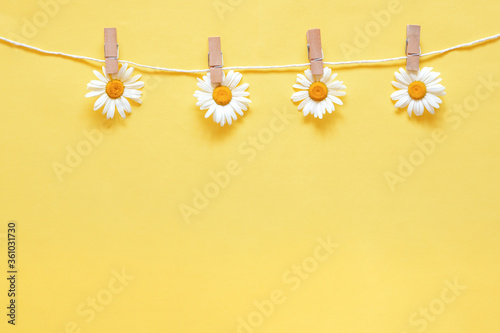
x: 115, y: 88
x: 318, y: 91
x: 222, y: 95
x: 417, y: 90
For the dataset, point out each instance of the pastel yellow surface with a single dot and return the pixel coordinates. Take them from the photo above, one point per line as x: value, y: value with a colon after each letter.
x: 412, y: 254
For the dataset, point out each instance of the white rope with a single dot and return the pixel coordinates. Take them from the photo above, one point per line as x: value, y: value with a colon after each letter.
x: 174, y: 70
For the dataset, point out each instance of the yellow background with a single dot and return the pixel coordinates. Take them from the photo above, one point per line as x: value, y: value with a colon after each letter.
x: 119, y: 208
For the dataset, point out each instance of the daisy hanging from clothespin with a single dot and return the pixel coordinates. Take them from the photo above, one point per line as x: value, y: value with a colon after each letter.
x: 418, y: 89
x: 318, y: 89
x: 114, y: 85
x: 220, y: 94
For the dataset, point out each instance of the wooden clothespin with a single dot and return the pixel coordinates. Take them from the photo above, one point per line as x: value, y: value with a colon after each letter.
x: 215, y: 61
x: 412, y: 47
x: 111, y: 50
x: 314, y: 51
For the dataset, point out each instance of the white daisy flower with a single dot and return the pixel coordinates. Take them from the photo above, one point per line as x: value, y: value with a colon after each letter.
x: 223, y: 101
x: 113, y: 91
x: 418, y: 91
x: 318, y: 95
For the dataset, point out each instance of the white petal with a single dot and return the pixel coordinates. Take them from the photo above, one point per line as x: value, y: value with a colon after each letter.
x: 131, y: 93
x: 436, y: 81
x: 299, y: 86
x: 415, y: 107
x: 236, y: 108
x: 91, y: 86
x: 314, y: 110
x: 327, y: 73
x: 406, y: 78
x: 398, y: 94
x: 235, y: 81
x: 128, y: 74
x: 211, y: 110
x: 111, y: 110
x: 435, y: 88
x: 94, y: 93
x: 433, y: 100
x: 98, y: 83
x: 227, y: 114
x: 419, y: 108
x: 243, y: 106
x: 335, y: 100
x: 399, y: 85
x: 136, y: 99
x: 241, y: 93
x: 240, y: 88
x: 422, y: 74
x: 400, y: 79
x: 413, y: 76
x: 303, y: 103
x: 100, y: 76
x: 206, y: 79
x: 403, y: 101
x: 222, y: 116
x: 106, y: 106
x: 319, y: 111
x: 309, y: 75
x: 337, y: 85
x: 329, y: 106
x: 242, y: 99
x: 411, y: 106
x: 206, y: 105
x: 136, y: 85
x: 299, y: 95
x: 431, y: 77
x: 119, y: 107
x: 430, y: 101
x: 332, y: 78
x: 200, y: 94
x: 100, y: 101
x: 202, y: 101
x: 204, y: 86
x: 228, y: 78
x: 126, y: 104
x: 121, y: 72
x: 427, y: 105
x: 301, y: 79
x: 132, y: 79
x: 308, y: 107
x: 336, y: 93
x: 231, y: 112
x: 218, y: 114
